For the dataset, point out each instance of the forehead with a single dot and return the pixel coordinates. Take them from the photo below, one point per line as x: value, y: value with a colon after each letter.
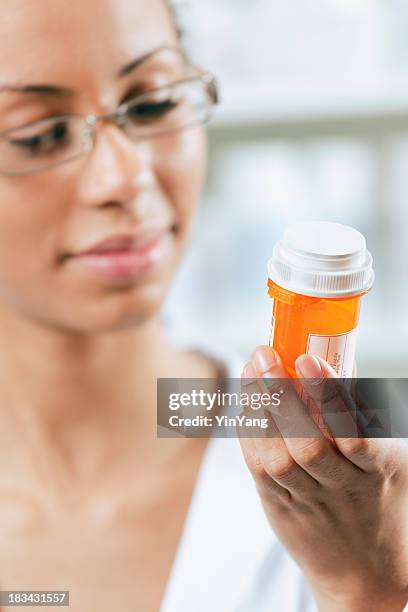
x: 60, y: 40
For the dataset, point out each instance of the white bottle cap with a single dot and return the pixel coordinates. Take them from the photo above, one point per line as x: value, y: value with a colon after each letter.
x: 322, y: 259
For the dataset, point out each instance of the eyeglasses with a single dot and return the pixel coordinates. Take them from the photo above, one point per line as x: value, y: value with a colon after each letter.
x: 45, y: 144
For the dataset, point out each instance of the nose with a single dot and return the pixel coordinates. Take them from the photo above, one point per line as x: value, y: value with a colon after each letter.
x: 116, y: 170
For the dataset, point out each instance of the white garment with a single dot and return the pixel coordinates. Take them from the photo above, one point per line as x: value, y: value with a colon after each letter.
x: 229, y: 559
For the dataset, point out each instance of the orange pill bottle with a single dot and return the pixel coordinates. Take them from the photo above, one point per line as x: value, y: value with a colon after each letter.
x: 316, y: 277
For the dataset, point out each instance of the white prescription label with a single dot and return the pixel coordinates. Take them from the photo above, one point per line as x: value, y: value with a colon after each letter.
x: 339, y: 351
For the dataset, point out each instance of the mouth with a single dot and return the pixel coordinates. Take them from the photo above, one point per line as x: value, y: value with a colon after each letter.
x: 125, y: 257
x: 124, y: 243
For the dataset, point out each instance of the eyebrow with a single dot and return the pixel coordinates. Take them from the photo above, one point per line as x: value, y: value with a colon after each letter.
x: 45, y: 90
x: 64, y: 92
x: 140, y: 60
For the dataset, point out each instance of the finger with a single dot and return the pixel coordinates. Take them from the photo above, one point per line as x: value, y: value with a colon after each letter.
x: 253, y: 386
x: 289, y: 414
x: 279, y: 464
x: 266, y: 486
x: 271, y: 449
x: 372, y: 455
x: 249, y: 401
x: 312, y: 452
x: 329, y: 395
x: 323, y: 461
x: 267, y: 384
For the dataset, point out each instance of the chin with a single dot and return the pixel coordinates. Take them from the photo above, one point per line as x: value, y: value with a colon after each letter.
x: 117, y: 312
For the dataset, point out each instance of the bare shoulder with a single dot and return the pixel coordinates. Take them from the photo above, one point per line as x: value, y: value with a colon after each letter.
x: 201, y: 365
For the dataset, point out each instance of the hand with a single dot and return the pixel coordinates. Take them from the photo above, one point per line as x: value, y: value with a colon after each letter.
x: 339, y: 506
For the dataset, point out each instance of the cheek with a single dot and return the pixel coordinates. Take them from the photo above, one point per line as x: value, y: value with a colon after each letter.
x: 181, y: 169
x: 30, y: 215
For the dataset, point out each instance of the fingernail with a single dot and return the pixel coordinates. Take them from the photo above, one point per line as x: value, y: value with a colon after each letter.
x: 248, y: 374
x: 309, y: 366
x: 265, y: 359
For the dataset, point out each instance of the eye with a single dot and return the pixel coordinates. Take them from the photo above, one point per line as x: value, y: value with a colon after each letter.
x: 151, y: 110
x: 45, y: 142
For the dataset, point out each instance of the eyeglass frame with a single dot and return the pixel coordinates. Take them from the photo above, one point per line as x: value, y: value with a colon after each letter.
x: 117, y: 116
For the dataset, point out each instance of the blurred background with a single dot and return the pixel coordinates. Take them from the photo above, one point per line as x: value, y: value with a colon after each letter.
x: 313, y: 125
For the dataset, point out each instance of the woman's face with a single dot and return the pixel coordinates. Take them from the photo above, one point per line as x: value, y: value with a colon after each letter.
x: 119, y: 187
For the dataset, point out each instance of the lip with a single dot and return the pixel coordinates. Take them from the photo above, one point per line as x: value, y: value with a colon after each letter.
x: 125, y: 242
x: 124, y: 257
